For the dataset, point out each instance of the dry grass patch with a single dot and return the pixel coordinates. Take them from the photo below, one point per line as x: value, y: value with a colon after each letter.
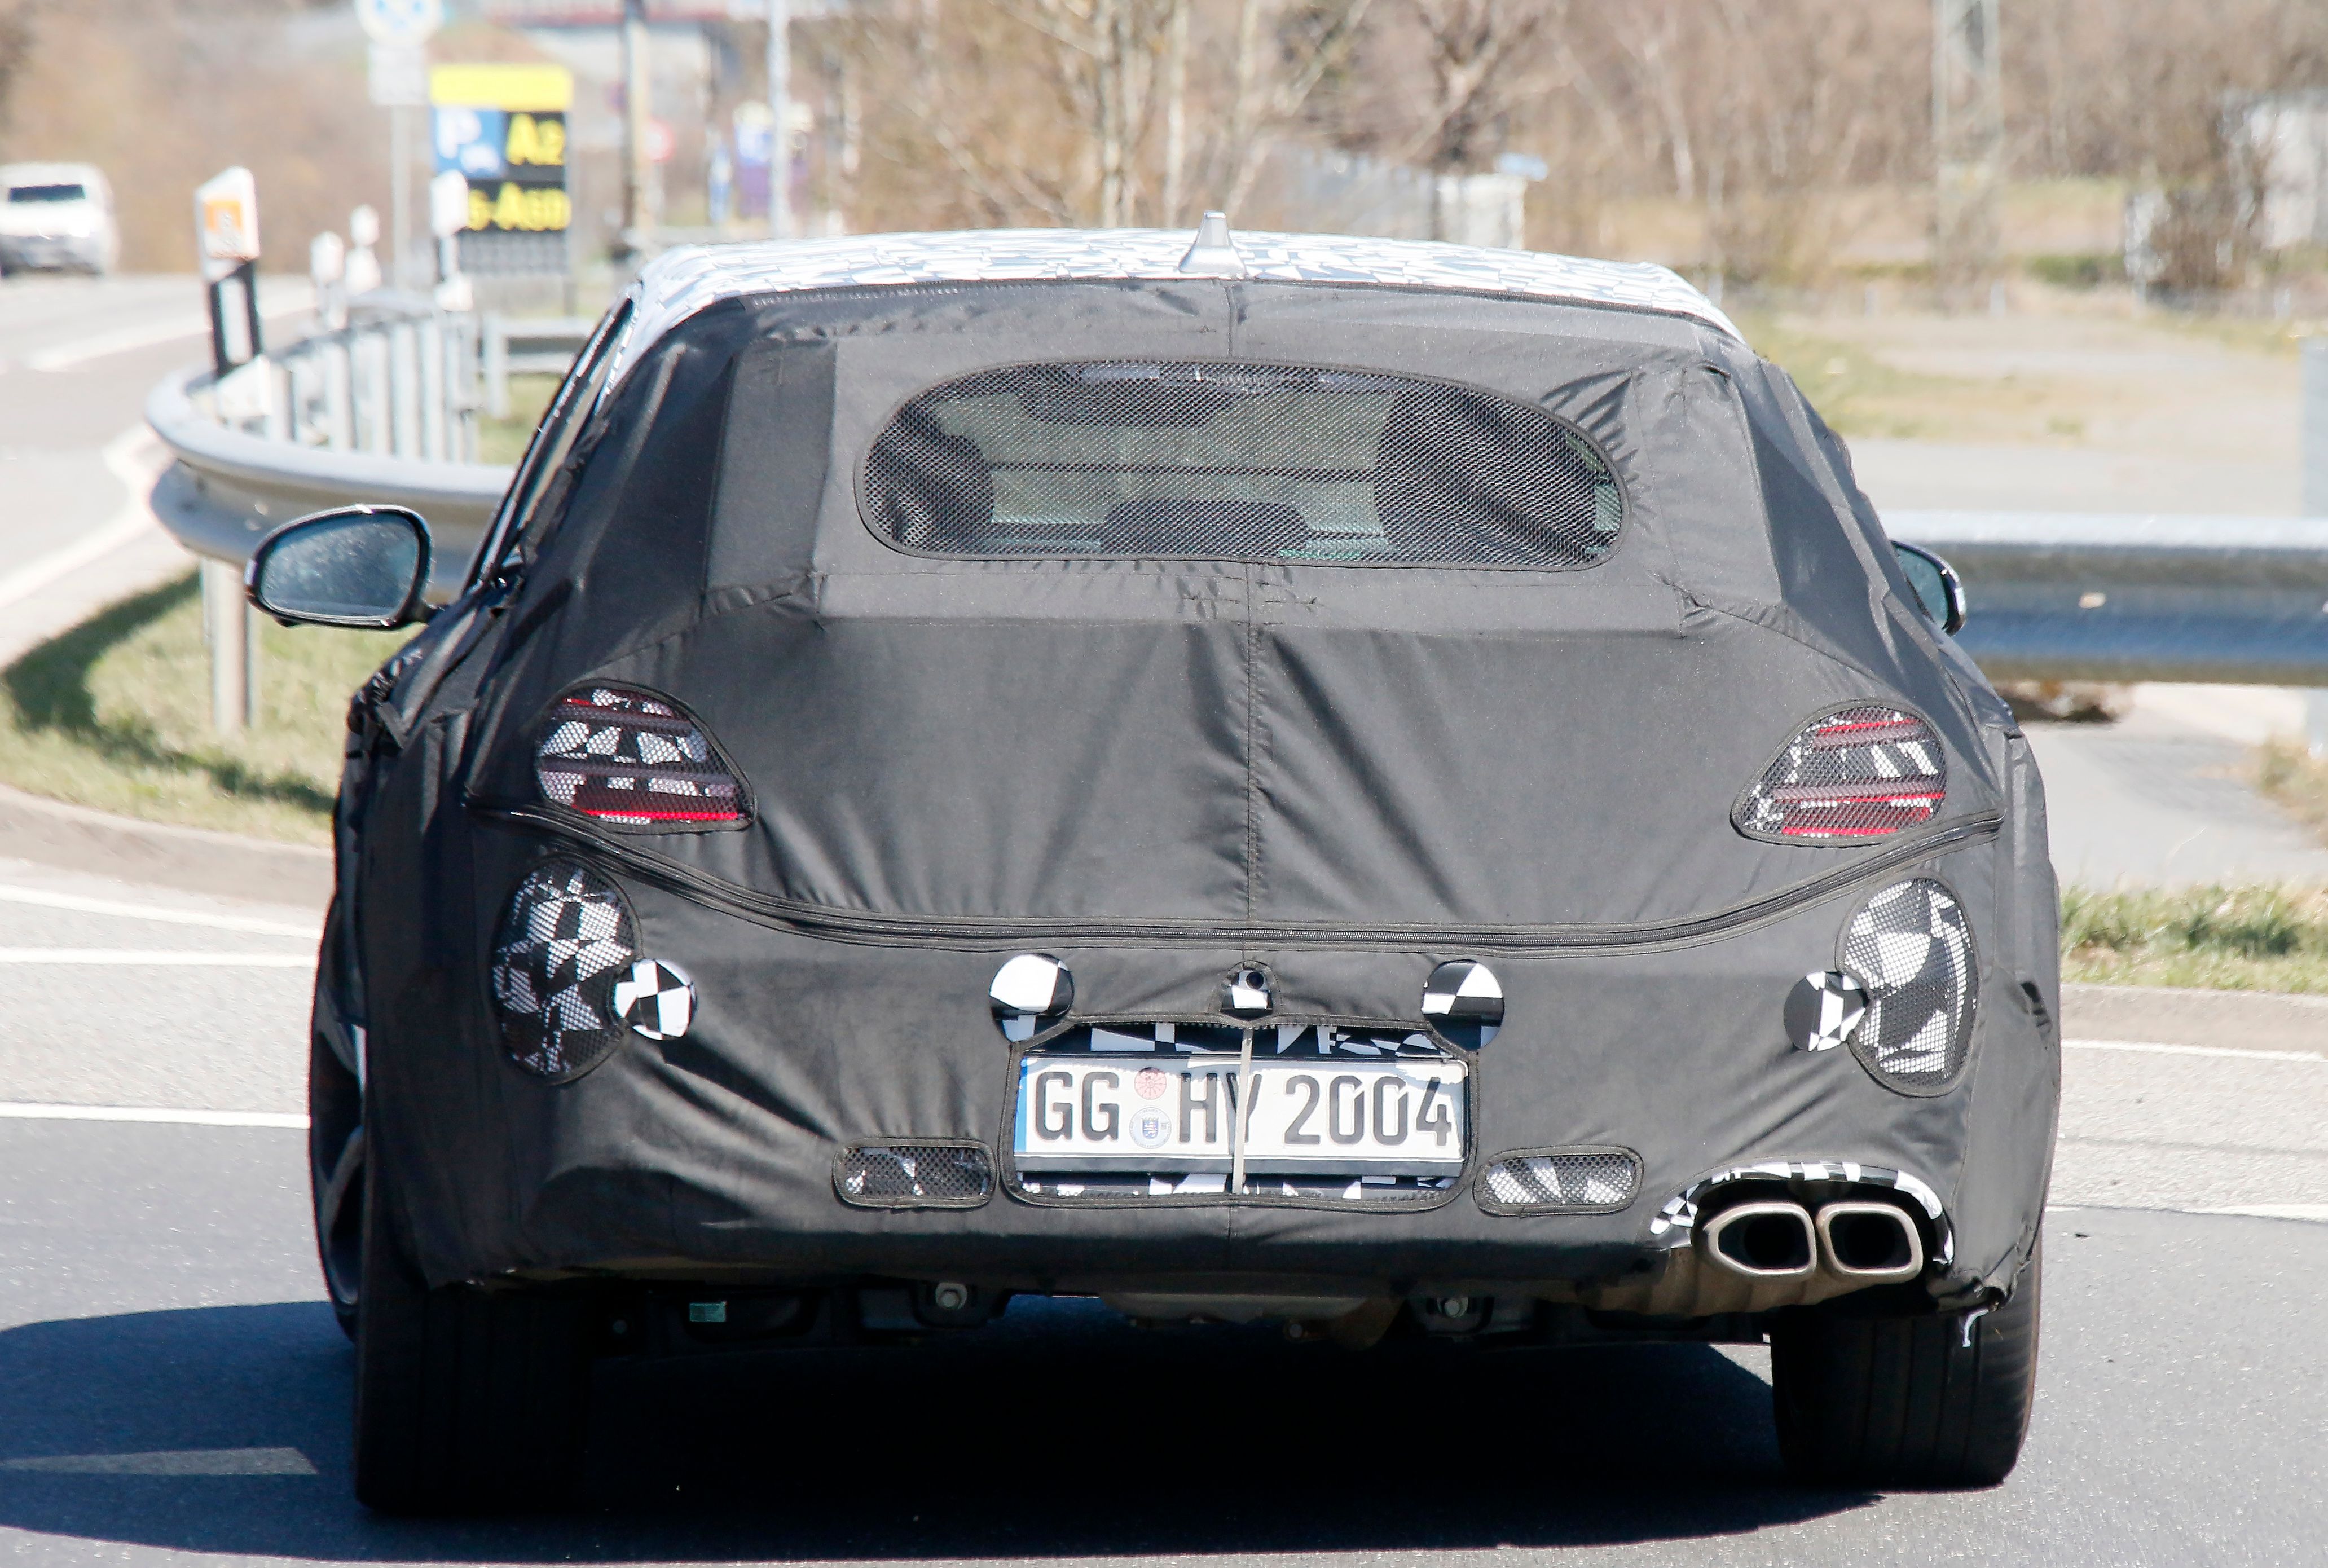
x: 2290, y: 775
x: 2220, y: 938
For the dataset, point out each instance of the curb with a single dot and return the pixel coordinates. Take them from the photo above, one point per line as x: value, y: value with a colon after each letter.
x: 192, y: 859
x: 2175, y: 1015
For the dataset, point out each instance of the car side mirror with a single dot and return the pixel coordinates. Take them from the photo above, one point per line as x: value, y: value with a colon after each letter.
x: 355, y: 566
x: 1939, y: 592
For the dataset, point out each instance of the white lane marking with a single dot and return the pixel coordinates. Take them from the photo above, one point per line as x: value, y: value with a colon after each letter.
x: 2310, y: 1211
x: 145, y: 957
x: 42, y: 897
x: 186, y: 1461
x: 133, y: 457
x: 120, y: 341
x: 2152, y: 1047
x: 32, y: 1111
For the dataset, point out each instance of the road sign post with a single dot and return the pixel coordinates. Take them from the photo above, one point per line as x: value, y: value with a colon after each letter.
x: 226, y: 231
x: 399, y: 29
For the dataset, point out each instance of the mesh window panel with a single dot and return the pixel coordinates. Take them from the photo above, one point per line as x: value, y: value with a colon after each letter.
x: 914, y: 1175
x: 1863, y: 773
x: 1572, y: 1180
x: 1912, y: 946
x: 565, y: 940
x: 1222, y: 461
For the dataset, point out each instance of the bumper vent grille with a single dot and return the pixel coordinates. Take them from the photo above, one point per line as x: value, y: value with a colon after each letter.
x: 907, y: 1173
x: 1562, y: 1180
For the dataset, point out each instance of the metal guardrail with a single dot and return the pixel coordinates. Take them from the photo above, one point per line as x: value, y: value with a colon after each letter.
x: 230, y: 489
x: 2072, y: 596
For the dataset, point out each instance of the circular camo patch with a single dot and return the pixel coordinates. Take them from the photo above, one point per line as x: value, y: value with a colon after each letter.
x: 656, y: 1000
x: 563, y: 941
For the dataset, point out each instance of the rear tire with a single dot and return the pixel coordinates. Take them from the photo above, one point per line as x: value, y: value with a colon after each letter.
x: 467, y: 1400
x: 1894, y: 1402
x: 335, y: 1175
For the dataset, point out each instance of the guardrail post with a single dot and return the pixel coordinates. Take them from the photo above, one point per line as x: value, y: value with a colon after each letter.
x: 496, y: 357
x: 430, y: 343
x: 300, y: 403
x: 339, y: 398
x: 371, y: 393
x: 278, y: 403
x: 404, y: 390
x: 232, y: 634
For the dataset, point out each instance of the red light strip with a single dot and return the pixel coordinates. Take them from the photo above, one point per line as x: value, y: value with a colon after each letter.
x: 663, y: 816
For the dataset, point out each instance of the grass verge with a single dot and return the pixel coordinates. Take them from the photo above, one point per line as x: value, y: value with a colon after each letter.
x: 2218, y: 938
x: 114, y: 715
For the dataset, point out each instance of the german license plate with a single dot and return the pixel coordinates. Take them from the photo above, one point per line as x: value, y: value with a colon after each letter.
x: 1372, y: 1119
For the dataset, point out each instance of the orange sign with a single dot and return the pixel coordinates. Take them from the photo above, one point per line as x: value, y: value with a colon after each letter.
x: 226, y: 221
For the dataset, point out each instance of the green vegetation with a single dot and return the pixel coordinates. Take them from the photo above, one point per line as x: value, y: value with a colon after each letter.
x: 2220, y: 938
x: 504, y: 440
x: 2078, y: 271
x: 114, y: 715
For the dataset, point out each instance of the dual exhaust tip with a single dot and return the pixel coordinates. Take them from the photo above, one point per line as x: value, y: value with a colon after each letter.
x: 1867, y: 1243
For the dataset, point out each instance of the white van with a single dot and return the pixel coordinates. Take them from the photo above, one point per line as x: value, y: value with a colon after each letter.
x: 56, y: 216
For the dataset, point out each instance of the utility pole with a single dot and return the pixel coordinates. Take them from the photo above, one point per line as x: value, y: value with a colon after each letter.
x: 637, y: 170
x: 1967, y: 140
x: 780, y: 151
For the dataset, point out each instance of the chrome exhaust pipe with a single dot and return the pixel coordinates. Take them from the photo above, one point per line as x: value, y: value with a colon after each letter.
x: 1761, y: 1241
x: 1870, y: 1243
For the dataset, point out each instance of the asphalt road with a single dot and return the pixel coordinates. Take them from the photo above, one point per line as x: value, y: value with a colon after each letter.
x: 171, y: 1387
x: 77, y: 357
x: 172, y: 1383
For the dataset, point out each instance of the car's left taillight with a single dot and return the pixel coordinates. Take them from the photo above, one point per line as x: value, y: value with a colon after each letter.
x: 625, y: 756
x: 1863, y: 771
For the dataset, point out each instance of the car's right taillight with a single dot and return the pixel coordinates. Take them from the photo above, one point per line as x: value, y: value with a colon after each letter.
x: 1863, y: 771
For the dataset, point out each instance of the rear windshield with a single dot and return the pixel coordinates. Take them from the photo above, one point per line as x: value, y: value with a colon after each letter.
x: 17, y: 193
x: 1214, y: 461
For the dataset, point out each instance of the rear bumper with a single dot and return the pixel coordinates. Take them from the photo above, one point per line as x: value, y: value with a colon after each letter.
x: 713, y: 1156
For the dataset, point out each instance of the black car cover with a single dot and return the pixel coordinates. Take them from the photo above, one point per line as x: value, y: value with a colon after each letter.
x: 1478, y: 666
